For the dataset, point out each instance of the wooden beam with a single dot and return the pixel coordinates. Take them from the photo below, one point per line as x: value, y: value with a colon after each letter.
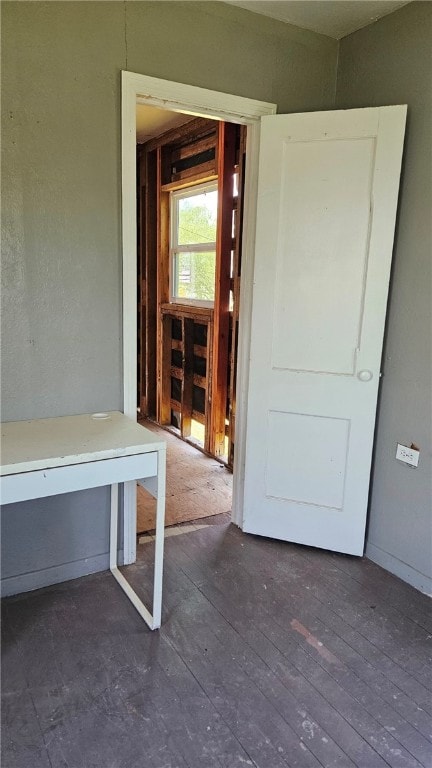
x: 200, y: 417
x: 142, y: 288
x: 200, y: 351
x: 198, y: 177
x: 226, y: 151
x: 238, y: 223
x: 165, y: 376
x: 164, y: 323
x: 208, y: 407
x: 151, y: 283
x: 195, y: 147
x: 201, y: 314
x: 196, y: 172
x: 197, y: 127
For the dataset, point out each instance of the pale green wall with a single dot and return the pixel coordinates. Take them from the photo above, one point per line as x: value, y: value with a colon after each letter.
x: 61, y: 289
x: 390, y: 62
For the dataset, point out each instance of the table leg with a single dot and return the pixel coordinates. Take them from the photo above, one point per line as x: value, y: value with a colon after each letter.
x: 159, y: 542
x: 133, y: 597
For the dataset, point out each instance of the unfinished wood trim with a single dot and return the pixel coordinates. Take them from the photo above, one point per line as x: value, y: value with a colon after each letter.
x: 219, y: 391
x: 197, y: 178
x: 202, y: 314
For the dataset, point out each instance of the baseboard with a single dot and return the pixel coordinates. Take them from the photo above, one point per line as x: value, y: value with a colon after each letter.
x: 405, y: 572
x: 27, y: 582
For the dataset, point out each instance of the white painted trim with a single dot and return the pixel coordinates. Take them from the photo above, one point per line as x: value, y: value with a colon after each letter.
x: 54, y: 574
x: 201, y: 102
x: 245, y: 316
x: 406, y: 572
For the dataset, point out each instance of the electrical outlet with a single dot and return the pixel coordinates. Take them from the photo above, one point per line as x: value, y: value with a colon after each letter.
x: 407, y: 455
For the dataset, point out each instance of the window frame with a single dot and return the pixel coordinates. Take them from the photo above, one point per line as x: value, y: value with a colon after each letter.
x: 175, y: 248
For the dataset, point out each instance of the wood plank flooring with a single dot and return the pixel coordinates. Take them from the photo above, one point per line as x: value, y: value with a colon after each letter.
x: 270, y: 655
x: 196, y: 485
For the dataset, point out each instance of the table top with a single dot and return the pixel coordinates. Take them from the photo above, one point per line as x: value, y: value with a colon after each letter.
x: 46, y: 443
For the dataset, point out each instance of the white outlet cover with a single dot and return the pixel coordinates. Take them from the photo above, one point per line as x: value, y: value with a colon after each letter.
x: 407, y: 455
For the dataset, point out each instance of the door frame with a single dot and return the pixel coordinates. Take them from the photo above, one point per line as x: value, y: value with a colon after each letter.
x: 199, y: 102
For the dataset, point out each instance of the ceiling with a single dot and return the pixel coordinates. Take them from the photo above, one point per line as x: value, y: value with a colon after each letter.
x: 152, y: 121
x: 334, y: 18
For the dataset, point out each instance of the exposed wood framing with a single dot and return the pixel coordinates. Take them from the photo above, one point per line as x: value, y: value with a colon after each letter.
x: 195, y: 178
x: 219, y: 391
x: 187, y: 353
x: 142, y: 229
x: 188, y: 376
x: 236, y: 272
x: 164, y: 382
x: 164, y: 335
x: 185, y: 357
x: 195, y: 128
x: 148, y: 363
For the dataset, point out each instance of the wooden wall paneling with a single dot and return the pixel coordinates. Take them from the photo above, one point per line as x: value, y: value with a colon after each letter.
x: 219, y: 389
x: 236, y: 276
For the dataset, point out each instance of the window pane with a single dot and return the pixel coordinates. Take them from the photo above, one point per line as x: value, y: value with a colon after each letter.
x: 197, y: 218
x: 194, y: 276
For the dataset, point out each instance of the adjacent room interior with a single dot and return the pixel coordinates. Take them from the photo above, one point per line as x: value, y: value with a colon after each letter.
x: 190, y: 182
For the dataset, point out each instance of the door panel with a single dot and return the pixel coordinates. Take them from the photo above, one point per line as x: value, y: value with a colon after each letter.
x: 328, y: 259
x: 327, y: 201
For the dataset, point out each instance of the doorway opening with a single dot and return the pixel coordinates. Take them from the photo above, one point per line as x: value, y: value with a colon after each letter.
x: 190, y: 191
x: 196, y: 102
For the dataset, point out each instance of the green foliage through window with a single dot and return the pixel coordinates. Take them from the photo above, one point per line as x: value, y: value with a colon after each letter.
x: 193, y: 244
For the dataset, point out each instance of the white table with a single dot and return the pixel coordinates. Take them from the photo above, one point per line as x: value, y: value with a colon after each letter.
x: 46, y: 457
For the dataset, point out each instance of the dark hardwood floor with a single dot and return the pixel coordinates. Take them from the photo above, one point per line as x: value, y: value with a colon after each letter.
x: 270, y: 655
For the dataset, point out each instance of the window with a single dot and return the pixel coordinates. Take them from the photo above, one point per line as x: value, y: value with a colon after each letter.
x: 193, y: 244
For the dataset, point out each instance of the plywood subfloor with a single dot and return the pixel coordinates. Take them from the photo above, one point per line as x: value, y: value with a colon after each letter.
x: 197, y: 486
x: 270, y: 655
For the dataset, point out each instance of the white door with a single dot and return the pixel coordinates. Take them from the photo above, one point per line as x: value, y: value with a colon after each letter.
x: 327, y: 197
